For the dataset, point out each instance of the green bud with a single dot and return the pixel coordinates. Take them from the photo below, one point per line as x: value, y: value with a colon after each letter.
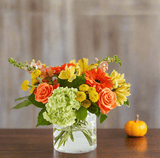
x: 11, y: 60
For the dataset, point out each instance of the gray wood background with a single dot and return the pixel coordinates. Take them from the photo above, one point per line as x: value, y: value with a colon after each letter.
x: 57, y: 31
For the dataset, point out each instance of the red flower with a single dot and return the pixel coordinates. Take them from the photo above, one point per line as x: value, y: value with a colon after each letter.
x: 57, y: 70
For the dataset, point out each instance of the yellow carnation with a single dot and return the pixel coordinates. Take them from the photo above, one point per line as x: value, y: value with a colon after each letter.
x: 93, y: 96
x: 25, y: 85
x: 36, y: 73
x: 86, y: 103
x: 83, y: 87
x: 81, y: 96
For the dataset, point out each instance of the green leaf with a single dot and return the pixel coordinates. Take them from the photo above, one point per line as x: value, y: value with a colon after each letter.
x: 75, y: 83
x: 41, y: 120
x: 31, y: 98
x: 126, y: 103
x: 103, y: 117
x: 98, y: 112
x: 21, y: 98
x: 81, y: 114
x: 25, y: 103
x: 94, y: 109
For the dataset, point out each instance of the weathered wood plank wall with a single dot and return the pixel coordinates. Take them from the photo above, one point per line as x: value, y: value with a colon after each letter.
x: 58, y: 31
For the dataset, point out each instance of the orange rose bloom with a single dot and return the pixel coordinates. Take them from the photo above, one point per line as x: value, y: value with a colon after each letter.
x: 43, y: 92
x: 107, y: 100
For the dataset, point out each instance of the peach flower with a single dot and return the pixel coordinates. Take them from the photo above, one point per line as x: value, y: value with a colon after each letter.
x: 103, y: 66
x: 107, y: 100
x: 43, y: 92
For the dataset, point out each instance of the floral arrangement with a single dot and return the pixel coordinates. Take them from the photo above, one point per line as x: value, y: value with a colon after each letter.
x: 68, y: 92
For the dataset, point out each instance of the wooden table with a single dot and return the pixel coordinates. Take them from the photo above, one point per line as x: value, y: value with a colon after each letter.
x: 112, y: 143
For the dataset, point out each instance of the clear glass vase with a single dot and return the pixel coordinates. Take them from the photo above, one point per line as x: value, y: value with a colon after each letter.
x: 78, y: 138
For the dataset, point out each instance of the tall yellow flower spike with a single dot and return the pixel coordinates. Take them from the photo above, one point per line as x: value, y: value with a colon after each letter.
x: 68, y: 73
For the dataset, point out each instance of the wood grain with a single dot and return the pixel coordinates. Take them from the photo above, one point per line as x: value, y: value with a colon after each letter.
x: 38, y: 143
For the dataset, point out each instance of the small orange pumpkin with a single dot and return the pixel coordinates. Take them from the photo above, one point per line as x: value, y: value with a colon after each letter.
x: 136, y: 128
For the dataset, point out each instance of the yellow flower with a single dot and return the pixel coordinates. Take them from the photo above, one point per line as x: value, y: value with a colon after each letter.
x: 83, y: 63
x: 34, y: 81
x: 83, y: 87
x: 35, y: 74
x: 25, y: 85
x: 80, y: 96
x: 32, y: 89
x: 91, y: 89
x: 117, y: 79
x: 86, y: 103
x: 68, y: 73
x: 78, y: 72
x: 82, y: 66
x: 93, y: 96
x: 121, y: 93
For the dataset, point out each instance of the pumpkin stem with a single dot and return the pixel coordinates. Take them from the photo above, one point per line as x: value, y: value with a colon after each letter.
x: 137, y: 118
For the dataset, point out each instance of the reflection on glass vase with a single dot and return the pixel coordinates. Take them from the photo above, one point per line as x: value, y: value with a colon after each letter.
x: 81, y: 137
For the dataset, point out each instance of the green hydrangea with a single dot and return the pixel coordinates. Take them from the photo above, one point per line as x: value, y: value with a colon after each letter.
x: 61, y: 107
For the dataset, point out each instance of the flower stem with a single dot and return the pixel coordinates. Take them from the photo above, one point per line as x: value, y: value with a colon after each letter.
x: 68, y: 132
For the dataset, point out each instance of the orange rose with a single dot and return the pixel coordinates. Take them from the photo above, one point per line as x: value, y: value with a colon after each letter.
x: 43, y: 92
x: 107, y: 100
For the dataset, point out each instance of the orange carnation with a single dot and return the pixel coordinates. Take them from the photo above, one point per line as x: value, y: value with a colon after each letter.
x: 107, y: 100
x: 43, y: 92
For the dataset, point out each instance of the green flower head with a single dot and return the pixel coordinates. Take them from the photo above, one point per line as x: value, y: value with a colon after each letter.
x: 61, y: 107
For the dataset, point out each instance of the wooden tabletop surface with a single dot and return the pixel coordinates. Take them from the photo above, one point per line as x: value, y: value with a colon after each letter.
x: 112, y: 143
